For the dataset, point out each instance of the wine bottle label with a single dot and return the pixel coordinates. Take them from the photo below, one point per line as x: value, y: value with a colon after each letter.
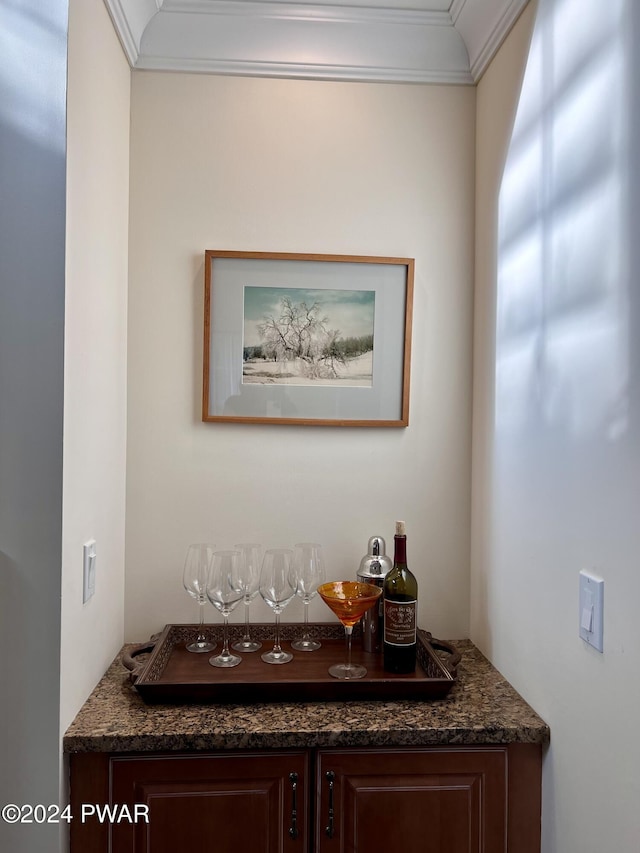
x: 399, y: 622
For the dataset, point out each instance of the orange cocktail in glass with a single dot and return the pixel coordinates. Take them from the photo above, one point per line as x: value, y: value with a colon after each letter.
x: 349, y: 600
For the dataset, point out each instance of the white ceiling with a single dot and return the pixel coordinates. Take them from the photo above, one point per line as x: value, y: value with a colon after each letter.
x: 416, y: 41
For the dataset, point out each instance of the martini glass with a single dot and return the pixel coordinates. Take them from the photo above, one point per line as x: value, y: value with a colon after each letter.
x: 349, y: 600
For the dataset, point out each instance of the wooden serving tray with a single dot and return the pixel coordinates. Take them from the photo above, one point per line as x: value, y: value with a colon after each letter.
x: 172, y: 674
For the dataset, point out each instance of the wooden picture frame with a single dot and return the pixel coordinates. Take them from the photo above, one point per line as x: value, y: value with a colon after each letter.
x: 307, y: 339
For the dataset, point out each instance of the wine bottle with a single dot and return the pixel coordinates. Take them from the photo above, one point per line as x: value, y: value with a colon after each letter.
x: 400, y: 593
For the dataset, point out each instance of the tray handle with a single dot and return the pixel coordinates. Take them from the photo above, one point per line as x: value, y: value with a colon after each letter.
x: 136, y: 667
x: 454, y: 655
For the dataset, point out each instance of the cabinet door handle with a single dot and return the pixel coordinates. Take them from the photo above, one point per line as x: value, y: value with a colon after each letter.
x: 293, y: 829
x: 330, y: 777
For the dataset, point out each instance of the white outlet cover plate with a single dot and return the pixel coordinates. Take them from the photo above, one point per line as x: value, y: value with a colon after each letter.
x: 591, y: 612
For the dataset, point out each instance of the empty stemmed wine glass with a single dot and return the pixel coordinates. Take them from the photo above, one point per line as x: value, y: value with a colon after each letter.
x: 194, y: 579
x: 250, y: 579
x: 225, y: 590
x: 277, y: 590
x: 307, y: 572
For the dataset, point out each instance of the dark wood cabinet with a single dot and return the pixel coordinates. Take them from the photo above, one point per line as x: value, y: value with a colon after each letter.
x: 475, y: 799
x: 227, y: 802
x: 440, y: 800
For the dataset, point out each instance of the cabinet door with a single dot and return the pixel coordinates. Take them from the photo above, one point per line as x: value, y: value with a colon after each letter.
x: 223, y: 802
x: 412, y: 801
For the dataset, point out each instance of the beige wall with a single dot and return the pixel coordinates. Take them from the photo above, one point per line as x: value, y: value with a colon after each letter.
x: 282, y: 165
x: 95, y: 348
x: 497, y: 101
x: 553, y: 495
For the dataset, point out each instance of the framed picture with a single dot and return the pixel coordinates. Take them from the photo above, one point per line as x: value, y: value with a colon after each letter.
x: 307, y: 339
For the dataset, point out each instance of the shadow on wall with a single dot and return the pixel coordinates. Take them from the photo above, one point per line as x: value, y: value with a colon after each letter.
x: 33, y: 55
x: 563, y: 337
x: 29, y: 31
x: 31, y: 418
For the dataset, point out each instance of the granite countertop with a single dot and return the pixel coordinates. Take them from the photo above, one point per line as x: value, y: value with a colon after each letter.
x: 482, y: 708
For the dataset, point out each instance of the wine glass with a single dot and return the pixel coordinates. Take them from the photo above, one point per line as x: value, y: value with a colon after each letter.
x: 349, y: 600
x: 224, y: 591
x: 307, y: 574
x: 277, y: 590
x: 194, y: 579
x: 250, y: 578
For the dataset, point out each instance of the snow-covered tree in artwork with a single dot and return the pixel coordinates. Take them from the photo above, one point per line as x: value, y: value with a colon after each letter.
x: 299, y: 332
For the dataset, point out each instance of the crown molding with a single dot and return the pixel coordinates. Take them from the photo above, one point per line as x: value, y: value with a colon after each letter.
x: 302, y: 71
x: 484, y: 24
x: 311, y: 40
x: 130, y: 19
x: 272, y: 9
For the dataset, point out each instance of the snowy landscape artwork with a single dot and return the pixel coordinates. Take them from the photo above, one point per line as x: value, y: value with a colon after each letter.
x: 304, y: 336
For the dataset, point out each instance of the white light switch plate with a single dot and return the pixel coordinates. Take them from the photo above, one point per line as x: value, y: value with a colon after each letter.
x: 88, y: 570
x: 591, y: 610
